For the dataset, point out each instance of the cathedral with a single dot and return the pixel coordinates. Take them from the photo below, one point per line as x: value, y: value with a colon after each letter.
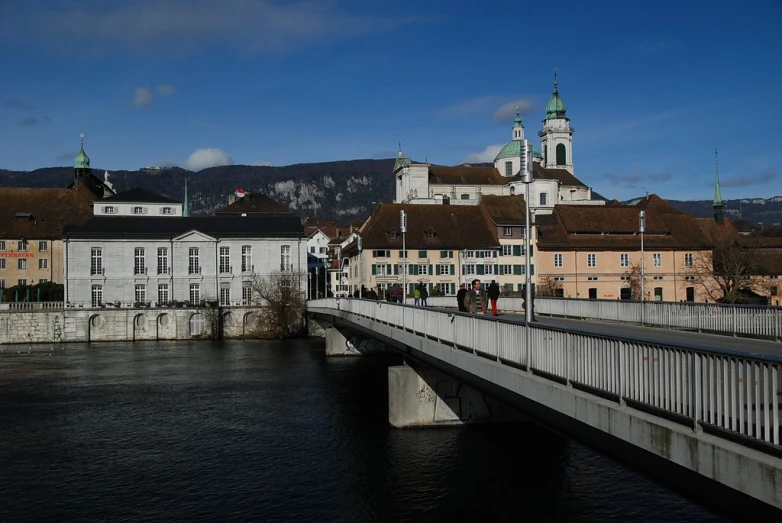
x: 554, y: 177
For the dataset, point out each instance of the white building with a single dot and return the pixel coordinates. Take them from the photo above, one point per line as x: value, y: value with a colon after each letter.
x: 137, y: 202
x: 554, y: 178
x: 129, y: 260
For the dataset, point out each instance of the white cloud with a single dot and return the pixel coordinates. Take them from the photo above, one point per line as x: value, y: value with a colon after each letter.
x: 507, y: 111
x: 142, y: 97
x: 176, y: 27
x: 203, y: 158
x: 166, y: 89
x: 487, y: 155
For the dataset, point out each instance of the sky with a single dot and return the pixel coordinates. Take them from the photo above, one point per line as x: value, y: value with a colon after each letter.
x: 651, y: 88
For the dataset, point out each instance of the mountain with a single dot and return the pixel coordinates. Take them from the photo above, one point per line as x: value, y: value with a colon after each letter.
x: 759, y: 211
x: 343, y: 190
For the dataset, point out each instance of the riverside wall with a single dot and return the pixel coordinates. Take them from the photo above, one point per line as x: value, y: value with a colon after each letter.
x: 65, y: 325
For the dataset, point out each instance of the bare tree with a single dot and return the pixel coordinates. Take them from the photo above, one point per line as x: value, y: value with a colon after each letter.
x: 548, y: 286
x: 728, y: 270
x: 280, y: 296
x: 212, y: 319
x: 632, y: 279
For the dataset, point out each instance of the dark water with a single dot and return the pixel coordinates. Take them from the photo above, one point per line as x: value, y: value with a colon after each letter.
x: 268, y: 431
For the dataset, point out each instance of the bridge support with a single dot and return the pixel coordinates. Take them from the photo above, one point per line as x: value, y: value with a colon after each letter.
x: 342, y: 342
x: 422, y: 397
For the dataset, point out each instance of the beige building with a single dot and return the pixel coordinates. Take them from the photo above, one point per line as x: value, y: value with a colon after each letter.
x: 595, y: 252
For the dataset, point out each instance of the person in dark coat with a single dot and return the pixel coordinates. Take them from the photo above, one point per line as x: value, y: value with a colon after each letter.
x: 424, y: 295
x: 460, y: 298
x: 493, y: 292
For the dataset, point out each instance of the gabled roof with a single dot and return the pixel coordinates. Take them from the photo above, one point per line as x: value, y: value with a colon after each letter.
x: 653, y: 202
x: 465, y: 175
x: 562, y: 175
x: 450, y: 227
x: 137, y: 195
x: 42, y: 213
x: 268, y: 226
x: 617, y: 227
x: 255, y: 204
x: 505, y: 210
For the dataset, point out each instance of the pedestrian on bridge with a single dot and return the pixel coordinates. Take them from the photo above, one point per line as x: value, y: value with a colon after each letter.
x: 493, y: 292
x: 460, y: 298
x: 476, y: 299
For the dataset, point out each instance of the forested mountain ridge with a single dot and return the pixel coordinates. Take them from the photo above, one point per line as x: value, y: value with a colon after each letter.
x: 342, y: 190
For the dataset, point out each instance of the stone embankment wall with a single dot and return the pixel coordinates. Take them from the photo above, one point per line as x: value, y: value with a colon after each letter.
x: 80, y: 325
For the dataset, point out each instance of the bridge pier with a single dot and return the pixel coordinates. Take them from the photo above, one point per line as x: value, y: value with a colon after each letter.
x: 342, y: 342
x: 423, y: 397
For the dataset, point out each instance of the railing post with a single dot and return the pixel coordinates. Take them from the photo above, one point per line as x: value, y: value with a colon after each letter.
x: 695, y: 381
x: 527, y: 337
x: 620, y: 373
x: 568, y: 356
x: 733, y: 309
x: 700, y: 325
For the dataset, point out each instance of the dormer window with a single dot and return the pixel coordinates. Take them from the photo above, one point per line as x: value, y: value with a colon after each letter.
x: 139, y: 210
x: 167, y: 210
x: 429, y: 232
x: 392, y: 234
x: 109, y: 210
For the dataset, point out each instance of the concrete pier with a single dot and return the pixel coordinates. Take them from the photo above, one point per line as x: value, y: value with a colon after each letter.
x: 340, y: 342
x: 423, y: 397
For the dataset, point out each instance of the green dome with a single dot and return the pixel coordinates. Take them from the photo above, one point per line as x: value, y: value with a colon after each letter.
x: 556, y: 107
x: 512, y: 149
x: 82, y: 160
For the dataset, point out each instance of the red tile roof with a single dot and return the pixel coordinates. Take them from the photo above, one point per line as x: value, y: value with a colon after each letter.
x: 43, y: 213
x: 505, y: 210
x: 254, y: 204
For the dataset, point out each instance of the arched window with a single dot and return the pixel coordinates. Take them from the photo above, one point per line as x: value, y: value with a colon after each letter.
x: 513, y: 190
x: 561, y: 154
x: 465, y: 196
x: 545, y: 154
x: 508, y: 168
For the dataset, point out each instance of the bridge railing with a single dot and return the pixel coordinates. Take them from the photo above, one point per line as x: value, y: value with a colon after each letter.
x: 745, y: 320
x: 731, y: 394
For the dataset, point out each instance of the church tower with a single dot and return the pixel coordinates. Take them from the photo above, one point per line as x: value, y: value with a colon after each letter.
x: 508, y: 160
x: 556, y: 137
x: 81, y: 168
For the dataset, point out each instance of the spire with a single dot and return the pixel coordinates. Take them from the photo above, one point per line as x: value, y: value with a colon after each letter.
x: 717, y: 205
x: 399, y: 154
x: 82, y: 160
x: 186, y: 208
x: 556, y: 107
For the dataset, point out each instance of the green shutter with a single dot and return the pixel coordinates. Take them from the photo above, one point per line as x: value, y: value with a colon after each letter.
x: 496, y: 253
x: 422, y: 254
x: 453, y: 270
x: 531, y: 250
x: 479, y: 254
x: 450, y: 254
x: 388, y: 269
x: 374, y: 270
x: 437, y: 271
x: 453, y: 288
x: 431, y: 270
x: 517, y: 270
x: 532, y: 270
x: 479, y: 270
x: 517, y: 250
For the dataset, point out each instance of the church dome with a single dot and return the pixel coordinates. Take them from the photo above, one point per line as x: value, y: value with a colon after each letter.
x: 82, y: 160
x: 512, y: 149
x: 555, y: 107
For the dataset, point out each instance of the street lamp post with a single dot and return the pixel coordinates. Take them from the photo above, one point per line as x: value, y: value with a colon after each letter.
x: 317, y: 276
x: 526, y: 178
x: 403, y: 230
x: 360, y: 268
x: 641, y: 228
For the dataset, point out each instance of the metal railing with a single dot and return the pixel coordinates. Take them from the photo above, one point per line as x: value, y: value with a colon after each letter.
x: 724, y: 392
x: 744, y: 320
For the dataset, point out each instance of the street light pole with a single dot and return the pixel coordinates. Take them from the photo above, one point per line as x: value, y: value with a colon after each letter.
x: 403, y: 230
x: 360, y: 269
x: 642, y: 227
x: 526, y: 178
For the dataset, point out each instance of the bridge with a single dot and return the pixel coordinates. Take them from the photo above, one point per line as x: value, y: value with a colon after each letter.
x: 699, y: 412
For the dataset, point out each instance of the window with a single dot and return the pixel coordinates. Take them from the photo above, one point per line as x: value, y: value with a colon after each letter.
x: 21, y: 246
x: 392, y: 235
x: 43, y: 246
x: 507, y: 250
x: 380, y: 269
x: 97, y: 295
x: 162, y: 260
x: 285, y: 258
x: 773, y: 291
x: 139, y: 267
x: 465, y: 197
x: 139, y: 210
x: 162, y: 293
x: 96, y: 261
x: 247, y: 293
x: 247, y: 258
x: 2, y: 263
x: 488, y: 269
x: 445, y: 270
x: 507, y: 231
x: 505, y: 269
x: 469, y: 269
x: 558, y: 262
x: 688, y: 261
x: 193, y: 265
x: 469, y: 254
x: 561, y: 154
x: 544, y: 198
x: 2, y: 245
x: 403, y: 254
x: 167, y: 210
x: 21, y: 264
x: 658, y: 278
x: 225, y: 296
x: 381, y: 254
x: 322, y: 250
x: 21, y: 281
x: 591, y: 260
x: 689, y: 278
x: 195, y: 293
x: 423, y: 270
x: 109, y: 209
x: 422, y: 254
x: 446, y: 254
x: 225, y: 260
x: 2, y: 284
x: 141, y: 293
x: 444, y: 288
x: 43, y: 263
x: 624, y: 260
x: 591, y: 278
x: 508, y: 168
x: 657, y: 258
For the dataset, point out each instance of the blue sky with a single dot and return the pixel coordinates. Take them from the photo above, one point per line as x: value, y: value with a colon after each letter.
x: 651, y: 89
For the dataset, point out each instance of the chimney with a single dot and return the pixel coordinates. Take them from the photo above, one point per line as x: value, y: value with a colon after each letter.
x: 231, y: 199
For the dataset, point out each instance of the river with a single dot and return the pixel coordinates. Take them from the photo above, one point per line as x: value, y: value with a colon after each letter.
x: 275, y: 431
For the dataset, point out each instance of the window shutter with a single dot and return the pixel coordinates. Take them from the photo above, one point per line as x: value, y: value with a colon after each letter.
x: 531, y: 249
x: 431, y: 270
x: 450, y: 254
x: 413, y: 270
x: 495, y: 254
x: 532, y: 270
x: 437, y: 271
x: 374, y: 270
x: 517, y: 270
x: 517, y: 250
x: 479, y: 254
x: 453, y: 270
x: 463, y: 270
x: 479, y: 270
x: 453, y: 288
x: 388, y: 269
x: 396, y: 268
